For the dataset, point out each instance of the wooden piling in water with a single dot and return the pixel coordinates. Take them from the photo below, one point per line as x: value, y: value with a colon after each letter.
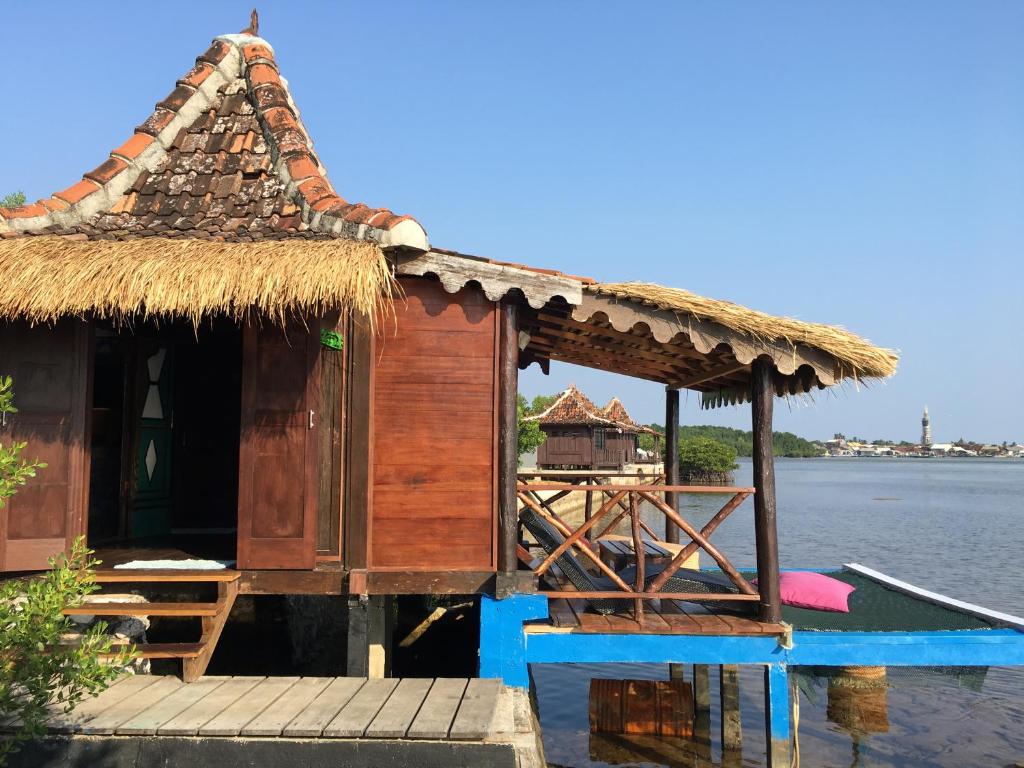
x: 729, y: 695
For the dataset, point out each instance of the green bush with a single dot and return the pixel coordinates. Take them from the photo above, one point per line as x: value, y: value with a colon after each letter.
x: 12, y: 200
x: 703, y: 457
x: 530, y: 433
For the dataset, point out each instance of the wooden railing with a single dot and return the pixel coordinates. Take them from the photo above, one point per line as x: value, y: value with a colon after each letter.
x: 620, y: 501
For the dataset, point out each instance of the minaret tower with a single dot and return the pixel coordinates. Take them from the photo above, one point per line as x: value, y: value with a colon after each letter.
x: 926, y: 430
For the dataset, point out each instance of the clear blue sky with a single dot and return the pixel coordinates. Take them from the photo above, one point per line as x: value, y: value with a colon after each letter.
x: 859, y: 164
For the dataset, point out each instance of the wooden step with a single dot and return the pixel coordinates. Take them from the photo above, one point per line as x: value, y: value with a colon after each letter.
x: 144, y: 609
x: 167, y: 650
x: 111, y: 575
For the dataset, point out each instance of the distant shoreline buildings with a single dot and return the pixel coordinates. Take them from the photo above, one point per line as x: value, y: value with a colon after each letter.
x: 926, y: 449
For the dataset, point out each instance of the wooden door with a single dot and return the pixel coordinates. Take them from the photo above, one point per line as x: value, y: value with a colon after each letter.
x: 277, y: 480
x: 50, y: 367
x: 153, y: 421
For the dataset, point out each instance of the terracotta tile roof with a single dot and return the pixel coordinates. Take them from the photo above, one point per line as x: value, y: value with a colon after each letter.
x: 572, y: 407
x: 616, y: 411
x: 224, y: 156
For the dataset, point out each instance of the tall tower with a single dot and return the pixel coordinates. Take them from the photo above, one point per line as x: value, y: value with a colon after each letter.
x: 926, y: 430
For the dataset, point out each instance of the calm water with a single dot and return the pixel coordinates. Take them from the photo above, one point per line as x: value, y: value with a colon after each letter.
x: 952, y: 525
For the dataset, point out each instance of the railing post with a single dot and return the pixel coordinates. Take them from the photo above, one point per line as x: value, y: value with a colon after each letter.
x: 671, y: 459
x: 761, y: 401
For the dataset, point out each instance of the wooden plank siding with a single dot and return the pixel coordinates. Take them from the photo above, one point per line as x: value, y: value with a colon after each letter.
x: 577, y: 446
x: 434, y: 414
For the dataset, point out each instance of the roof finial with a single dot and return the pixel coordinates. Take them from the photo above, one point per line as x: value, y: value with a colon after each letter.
x: 254, y: 25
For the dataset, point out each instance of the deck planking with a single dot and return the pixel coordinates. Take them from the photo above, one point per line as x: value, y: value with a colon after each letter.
x: 324, y: 708
x: 142, y: 706
x: 476, y: 710
x: 146, y: 722
x: 660, y: 617
x: 272, y: 720
x: 188, y: 722
x: 355, y: 717
x: 231, y: 721
x: 434, y: 720
x: 395, y: 717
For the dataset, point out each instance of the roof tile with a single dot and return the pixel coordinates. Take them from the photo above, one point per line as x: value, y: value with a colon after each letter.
x: 301, y: 167
x: 263, y: 74
x: 134, y: 146
x: 197, y: 75
x: 78, y: 191
x: 156, y: 122
x: 177, y: 98
x: 316, y: 189
x: 255, y: 51
x: 215, y: 53
x: 107, y: 170
x: 24, y: 211
x: 53, y: 204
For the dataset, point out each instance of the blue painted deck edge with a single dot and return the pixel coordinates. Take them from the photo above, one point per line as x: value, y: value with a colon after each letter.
x: 506, y: 649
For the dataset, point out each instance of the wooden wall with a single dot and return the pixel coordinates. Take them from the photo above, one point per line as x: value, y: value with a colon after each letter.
x: 566, y: 446
x: 575, y: 446
x: 433, y: 501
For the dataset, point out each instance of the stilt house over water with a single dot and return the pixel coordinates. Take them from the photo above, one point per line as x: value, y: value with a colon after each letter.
x: 206, y: 337
x: 579, y: 435
x: 219, y: 356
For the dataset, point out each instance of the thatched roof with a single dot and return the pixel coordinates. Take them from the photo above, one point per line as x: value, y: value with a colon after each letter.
x: 43, y: 278
x: 862, y: 359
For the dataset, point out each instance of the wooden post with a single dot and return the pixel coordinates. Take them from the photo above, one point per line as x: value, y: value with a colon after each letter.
x: 588, y: 507
x: 729, y: 693
x: 369, y: 635
x: 702, y: 710
x: 701, y: 688
x: 671, y: 459
x: 508, y: 447
x: 761, y: 402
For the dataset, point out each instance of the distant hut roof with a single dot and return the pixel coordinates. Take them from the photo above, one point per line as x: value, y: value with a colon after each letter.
x: 616, y: 411
x: 572, y: 407
x: 216, y: 203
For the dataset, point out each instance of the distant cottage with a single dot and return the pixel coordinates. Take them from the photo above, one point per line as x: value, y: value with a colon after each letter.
x: 582, y: 436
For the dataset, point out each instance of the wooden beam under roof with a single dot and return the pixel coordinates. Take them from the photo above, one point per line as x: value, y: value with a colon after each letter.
x: 643, y: 349
x: 726, y: 369
x: 612, y: 360
x: 650, y: 360
x: 682, y: 347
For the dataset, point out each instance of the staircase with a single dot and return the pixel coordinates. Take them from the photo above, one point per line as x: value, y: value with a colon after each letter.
x: 195, y: 657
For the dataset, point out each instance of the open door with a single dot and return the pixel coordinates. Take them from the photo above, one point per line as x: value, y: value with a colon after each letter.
x: 50, y: 366
x: 277, y: 473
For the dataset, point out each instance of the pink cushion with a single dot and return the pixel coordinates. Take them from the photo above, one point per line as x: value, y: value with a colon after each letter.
x: 805, y: 589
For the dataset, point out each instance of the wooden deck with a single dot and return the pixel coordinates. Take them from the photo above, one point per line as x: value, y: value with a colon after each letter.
x: 664, y: 617
x: 317, y: 722
x: 306, y: 707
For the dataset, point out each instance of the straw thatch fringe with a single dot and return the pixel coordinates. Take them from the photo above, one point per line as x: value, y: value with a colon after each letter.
x: 857, y: 357
x: 44, y: 278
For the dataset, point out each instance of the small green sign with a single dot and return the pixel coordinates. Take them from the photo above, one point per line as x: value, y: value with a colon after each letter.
x: 331, y: 339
